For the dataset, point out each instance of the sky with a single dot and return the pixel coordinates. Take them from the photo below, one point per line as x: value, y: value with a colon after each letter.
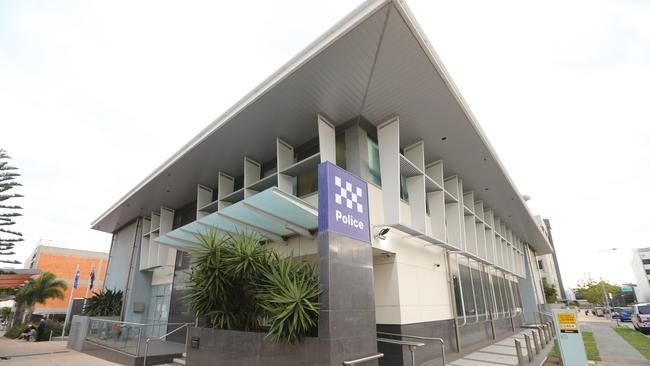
x: 96, y: 95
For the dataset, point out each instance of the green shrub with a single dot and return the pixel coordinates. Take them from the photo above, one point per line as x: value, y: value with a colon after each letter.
x: 15, y: 331
x: 51, y: 326
x: 104, y: 303
x: 237, y: 283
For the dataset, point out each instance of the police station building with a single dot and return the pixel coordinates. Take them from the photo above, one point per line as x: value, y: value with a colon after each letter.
x: 359, y: 155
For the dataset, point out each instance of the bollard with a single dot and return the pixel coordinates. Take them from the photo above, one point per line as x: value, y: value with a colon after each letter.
x: 536, y: 342
x: 548, y: 332
x: 545, y: 335
x: 520, y: 357
x: 542, y: 341
x: 552, y: 328
x: 529, y: 349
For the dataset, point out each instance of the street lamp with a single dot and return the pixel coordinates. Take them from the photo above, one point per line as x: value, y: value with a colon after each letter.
x: 602, y: 285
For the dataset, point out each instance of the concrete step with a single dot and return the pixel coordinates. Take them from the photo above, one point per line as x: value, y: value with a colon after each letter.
x: 179, y: 361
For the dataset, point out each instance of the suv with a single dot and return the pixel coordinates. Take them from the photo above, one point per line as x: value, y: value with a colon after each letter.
x: 641, y: 317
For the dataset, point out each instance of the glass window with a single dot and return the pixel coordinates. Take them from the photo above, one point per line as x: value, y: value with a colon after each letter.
x: 184, y: 215
x: 643, y: 309
x: 647, y: 271
x: 468, y: 294
x: 373, y: 161
x: 269, y: 168
x: 646, y: 261
x: 539, y: 264
x: 459, y: 308
x: 403, y: 188
x: 306, y: 182
x: 340, y: 150
x: 478, y: 291
x: 489, y: 305
x: 497, y: 293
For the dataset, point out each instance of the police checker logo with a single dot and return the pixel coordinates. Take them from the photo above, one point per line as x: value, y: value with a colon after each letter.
x: 349, y: 197
x: 343, y: 202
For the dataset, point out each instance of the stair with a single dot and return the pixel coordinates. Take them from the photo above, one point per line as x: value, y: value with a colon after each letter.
x: 178, y: 361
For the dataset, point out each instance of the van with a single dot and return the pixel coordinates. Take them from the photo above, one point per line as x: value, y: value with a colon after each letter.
x: 641, y: 317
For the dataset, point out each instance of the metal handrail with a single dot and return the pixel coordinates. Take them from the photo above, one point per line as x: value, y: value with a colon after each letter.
x: 411, y: 345
x: 442, y: 342
x: 131, y: 323
x: 146, y: 343
x: 363, y: 359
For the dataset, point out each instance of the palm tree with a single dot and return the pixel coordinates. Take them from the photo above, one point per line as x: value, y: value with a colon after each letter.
x: 39, y: 290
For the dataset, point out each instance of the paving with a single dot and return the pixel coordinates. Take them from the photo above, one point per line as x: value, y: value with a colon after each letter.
x: 503, y: 353
x: 22, y: 353
x: 613, y: 349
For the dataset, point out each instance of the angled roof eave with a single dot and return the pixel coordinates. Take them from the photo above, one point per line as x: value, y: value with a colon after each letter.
x: 349, y: 22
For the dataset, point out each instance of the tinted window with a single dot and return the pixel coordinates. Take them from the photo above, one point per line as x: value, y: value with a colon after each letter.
x: 643, y: 309
x: 646, y: 261
x: 468, y: 294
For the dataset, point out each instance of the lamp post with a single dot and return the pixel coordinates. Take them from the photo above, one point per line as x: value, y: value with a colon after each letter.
x: 602, y: 285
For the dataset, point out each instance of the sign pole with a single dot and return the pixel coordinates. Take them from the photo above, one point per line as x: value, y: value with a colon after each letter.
x: 69, y: 311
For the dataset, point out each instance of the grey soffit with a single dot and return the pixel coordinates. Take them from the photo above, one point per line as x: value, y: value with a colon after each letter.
x: 375, y: 62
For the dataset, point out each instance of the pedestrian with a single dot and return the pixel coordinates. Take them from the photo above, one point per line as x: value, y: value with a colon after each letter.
x: 587, y: 312
x: 41, y: 331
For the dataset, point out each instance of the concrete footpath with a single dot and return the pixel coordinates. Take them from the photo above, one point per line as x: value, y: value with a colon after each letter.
x: 614, y: 350
x: 22, y: 353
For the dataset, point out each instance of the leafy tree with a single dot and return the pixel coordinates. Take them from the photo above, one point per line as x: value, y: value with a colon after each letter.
x: 5, y: 312
x: 38, y: 290
x: 592, y: 291
x: 550, y: 292
x: 237, y: 283
x: 8, y: 212
x: 104, y: 303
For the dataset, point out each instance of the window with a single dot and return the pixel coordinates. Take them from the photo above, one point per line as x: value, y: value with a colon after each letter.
x: 403, y: 188
x: 646, y: 261
x: 539, y: 264
x: 647, y: 271
x: 373, y: 161
x: 340, y: 150
x: 269, y: 168
x: 478, y: 291
x: 184, y: 215
x: 468, y: 294
x: 497, y: 293
x: 306, y: 182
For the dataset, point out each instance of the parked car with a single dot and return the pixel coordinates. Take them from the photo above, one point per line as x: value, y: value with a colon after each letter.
x: 625, y: 315
x: 600, y: 312
x: 641, y: 317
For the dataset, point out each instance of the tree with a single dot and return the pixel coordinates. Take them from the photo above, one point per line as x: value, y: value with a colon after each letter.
x: 8, y: 212
x: 237, y: 283
x: 104, y: 303
x: 5, y: 313
x: 38, y: 290
x: 550, y: 292
x: 592, y: 291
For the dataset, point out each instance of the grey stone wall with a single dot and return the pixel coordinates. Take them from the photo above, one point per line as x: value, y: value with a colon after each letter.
x: 230, y: 348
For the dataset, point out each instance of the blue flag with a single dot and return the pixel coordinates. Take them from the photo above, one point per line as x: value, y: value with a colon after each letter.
x: 92, y: 277
x: 76, y: 279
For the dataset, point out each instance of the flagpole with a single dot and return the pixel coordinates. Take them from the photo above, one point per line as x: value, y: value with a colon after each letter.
x: 67, y: 313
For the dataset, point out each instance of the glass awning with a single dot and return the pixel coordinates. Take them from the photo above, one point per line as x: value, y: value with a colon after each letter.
x: 273, y: 214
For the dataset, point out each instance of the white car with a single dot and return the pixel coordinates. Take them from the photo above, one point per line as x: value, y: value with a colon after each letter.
x: 641, y: 317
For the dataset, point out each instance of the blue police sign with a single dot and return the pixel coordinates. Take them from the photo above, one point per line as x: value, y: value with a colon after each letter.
x: 342, y: 202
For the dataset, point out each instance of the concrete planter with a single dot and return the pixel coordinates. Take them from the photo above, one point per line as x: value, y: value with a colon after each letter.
x: 228, y: 347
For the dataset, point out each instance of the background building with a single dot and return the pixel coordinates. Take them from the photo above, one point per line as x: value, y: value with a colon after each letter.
x: 547, y: 264
x: 641, y: 270
x: 63, y: 263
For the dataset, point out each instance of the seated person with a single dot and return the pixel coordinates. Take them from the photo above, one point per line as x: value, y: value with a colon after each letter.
x: 30, y: 332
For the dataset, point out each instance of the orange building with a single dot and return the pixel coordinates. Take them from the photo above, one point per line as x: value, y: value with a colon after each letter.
x: 63, y: 263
